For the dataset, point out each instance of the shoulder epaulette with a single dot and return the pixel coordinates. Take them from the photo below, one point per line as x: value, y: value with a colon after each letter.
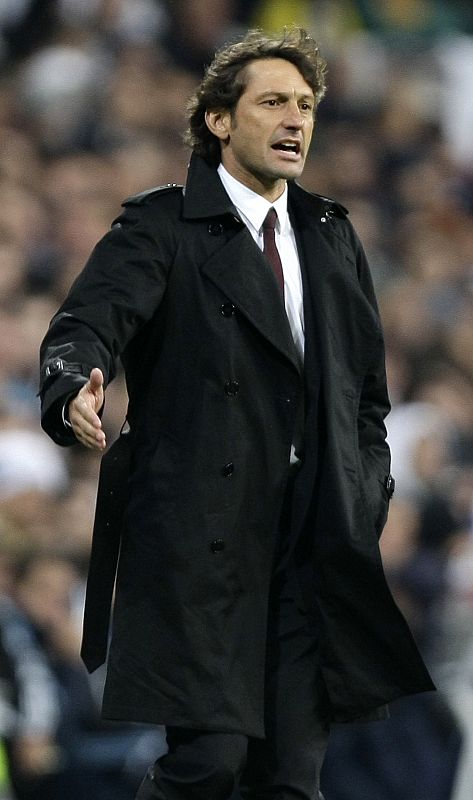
x: 332, y: 207
x: 148, y: 194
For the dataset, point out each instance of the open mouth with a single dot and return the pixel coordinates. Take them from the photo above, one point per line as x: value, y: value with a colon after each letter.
x: 287, y: 147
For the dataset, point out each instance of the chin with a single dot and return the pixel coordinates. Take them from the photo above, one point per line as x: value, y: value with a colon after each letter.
x: 292, y: 172
x: 289, y: 170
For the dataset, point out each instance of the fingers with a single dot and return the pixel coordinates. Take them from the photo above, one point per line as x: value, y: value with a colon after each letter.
x: 83, y: 416
x: 86, y: 424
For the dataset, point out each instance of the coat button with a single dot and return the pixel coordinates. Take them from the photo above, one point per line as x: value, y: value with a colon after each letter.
x: 227, y: 309
x: 390, y: 485
x: 227, y: 470
x: 217, y: 545
x: 231, y: 388
x: 215, y: 229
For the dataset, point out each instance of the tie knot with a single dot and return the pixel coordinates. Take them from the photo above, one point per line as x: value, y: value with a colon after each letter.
x: 270, y: 219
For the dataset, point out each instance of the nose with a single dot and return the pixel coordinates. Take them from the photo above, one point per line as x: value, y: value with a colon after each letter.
x: 293, y: 118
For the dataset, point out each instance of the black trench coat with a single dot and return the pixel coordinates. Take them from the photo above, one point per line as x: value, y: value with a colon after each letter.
x: 179, y: 289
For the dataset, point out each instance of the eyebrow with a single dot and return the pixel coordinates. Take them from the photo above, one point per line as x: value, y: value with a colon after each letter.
x: 278, y: 93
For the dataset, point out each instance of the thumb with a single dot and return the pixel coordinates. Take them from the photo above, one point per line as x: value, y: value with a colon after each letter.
x: 96, y: 380
x: 95, y: 387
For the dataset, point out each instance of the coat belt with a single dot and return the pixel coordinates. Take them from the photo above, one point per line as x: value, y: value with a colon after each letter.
x: 112, y: 497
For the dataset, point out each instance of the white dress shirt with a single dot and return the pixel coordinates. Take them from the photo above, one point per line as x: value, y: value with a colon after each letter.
x: 253, y: 208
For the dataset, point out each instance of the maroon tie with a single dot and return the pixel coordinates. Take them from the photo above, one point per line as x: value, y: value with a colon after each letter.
x: 269, y: 247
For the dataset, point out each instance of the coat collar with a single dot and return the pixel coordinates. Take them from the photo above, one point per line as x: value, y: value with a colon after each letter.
x: 204, y: 194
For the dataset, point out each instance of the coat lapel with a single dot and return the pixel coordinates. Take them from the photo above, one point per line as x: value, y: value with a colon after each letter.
x: 241, y: 272
x: 332, y: 293
x: 238, y: 269
x: 315, y: 253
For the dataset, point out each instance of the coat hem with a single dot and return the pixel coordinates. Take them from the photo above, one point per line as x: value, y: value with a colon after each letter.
x: 377, y: 712
x: 147, y: 717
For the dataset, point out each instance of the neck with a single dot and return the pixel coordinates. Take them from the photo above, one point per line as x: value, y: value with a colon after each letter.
x: 269, y: 188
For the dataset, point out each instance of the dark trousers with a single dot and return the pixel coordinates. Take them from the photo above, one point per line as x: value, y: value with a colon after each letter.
x: 202, y: 765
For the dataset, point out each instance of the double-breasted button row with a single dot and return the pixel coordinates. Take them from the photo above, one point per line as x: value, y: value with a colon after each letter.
x: 215, y: 228
x: 227, y: 309
x: 231, y: 388
x: 228, y: 469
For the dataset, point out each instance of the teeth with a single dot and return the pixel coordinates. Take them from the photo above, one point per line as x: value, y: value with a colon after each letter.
x: 290, y: 147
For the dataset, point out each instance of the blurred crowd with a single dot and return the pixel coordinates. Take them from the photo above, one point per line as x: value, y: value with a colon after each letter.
x: 92, y: 108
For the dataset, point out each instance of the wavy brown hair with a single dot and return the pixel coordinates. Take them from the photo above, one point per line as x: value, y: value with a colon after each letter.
x: 224, y: 80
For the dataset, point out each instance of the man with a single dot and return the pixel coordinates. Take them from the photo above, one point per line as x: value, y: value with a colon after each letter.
x: 251, y: 608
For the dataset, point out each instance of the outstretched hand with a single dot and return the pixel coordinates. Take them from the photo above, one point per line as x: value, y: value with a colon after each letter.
x: 83, y: 412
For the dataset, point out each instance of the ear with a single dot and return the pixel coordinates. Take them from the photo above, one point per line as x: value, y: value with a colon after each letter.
x: 218, y: 123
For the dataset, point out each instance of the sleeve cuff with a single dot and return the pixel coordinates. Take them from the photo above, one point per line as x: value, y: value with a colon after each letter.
x: 65, y: 414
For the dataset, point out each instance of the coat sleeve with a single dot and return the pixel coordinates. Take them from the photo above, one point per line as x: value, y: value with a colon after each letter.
x: 117, y: 292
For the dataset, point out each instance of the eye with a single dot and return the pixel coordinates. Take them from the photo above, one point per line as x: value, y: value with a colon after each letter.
x: 272, y: 103
x: 306, y: 107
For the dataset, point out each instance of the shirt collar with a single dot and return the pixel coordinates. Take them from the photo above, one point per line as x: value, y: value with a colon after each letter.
x: 253, y: 206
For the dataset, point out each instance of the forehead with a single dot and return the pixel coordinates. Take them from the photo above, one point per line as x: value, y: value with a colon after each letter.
x: 274, y: 74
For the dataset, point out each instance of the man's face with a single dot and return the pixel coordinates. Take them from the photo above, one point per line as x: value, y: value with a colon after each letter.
x: 266, y: 139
